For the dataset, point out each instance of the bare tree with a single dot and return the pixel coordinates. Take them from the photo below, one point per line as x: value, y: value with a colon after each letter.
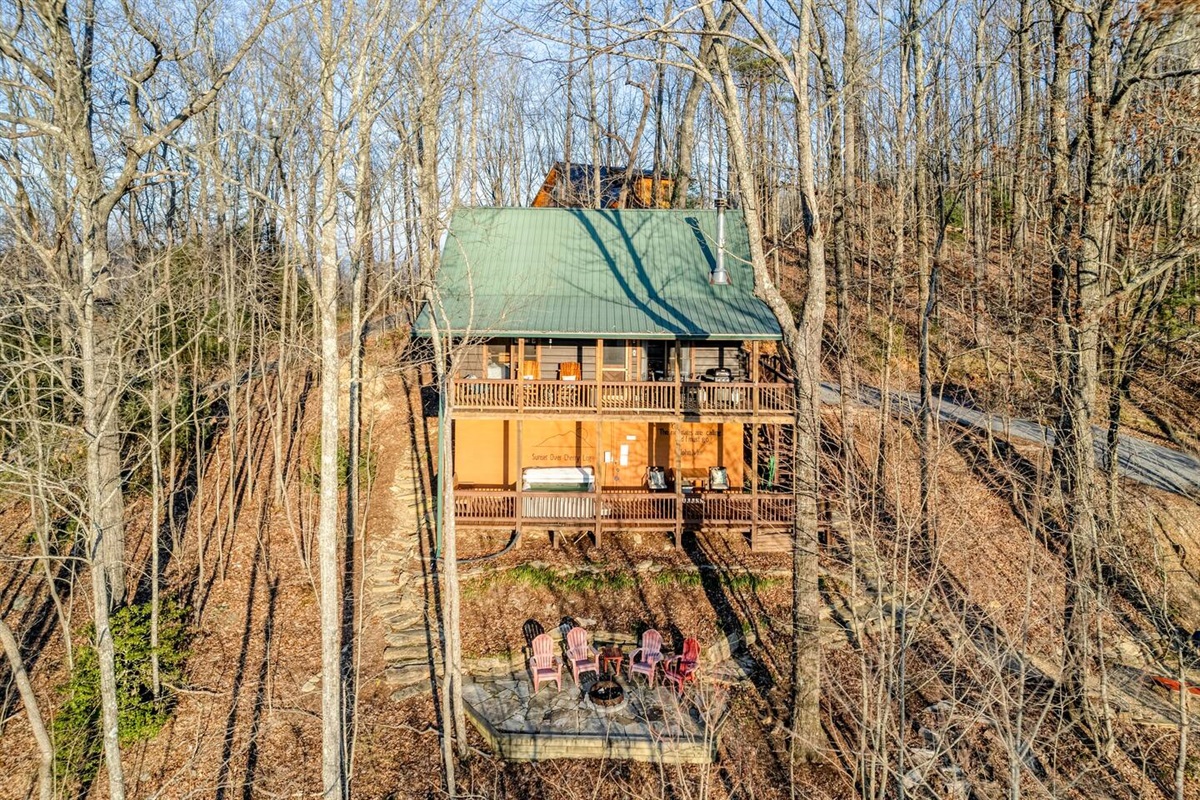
x: 32, y: 712
x: 1120, y: 50
x: 51, y: 48
x: 801, y: 338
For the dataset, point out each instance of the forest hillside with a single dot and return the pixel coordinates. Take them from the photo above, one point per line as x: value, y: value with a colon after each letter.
x: 230, y: 562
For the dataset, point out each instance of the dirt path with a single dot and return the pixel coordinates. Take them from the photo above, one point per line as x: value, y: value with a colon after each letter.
x: 1145, y: 462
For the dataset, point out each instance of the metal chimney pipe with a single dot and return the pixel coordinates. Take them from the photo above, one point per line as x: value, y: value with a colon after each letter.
x: 719, y: 276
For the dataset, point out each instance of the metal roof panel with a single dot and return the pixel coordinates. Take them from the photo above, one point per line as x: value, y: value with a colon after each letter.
x: 604, y: 273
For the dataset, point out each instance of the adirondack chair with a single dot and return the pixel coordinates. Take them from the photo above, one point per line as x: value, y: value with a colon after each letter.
x: 645, y: 659
x: 531, y: 630
x: 682, y: 669
x: 543, y: 664
x: 580, y: 654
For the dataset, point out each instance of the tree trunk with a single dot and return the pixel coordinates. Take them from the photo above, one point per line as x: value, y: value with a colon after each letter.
x: 685, y: 135
x: 1075, y: 296
x: 840, y: 178
x: 32, y: 712
x: 1022, y: 179
x: 104, y: 507
x: 802, y: 342
x: 328, y: 540
x: 925, y: 296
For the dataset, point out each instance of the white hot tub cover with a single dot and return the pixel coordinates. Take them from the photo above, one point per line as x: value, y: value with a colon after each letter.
x: 563, y: 479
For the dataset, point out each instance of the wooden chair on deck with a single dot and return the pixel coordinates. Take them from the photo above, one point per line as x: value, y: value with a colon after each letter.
x: 580, y: 654
x: 682, y: 669
x: 645, y: 659
x: 531, y: 630
x: 543, y: 664
x: 571, y: 373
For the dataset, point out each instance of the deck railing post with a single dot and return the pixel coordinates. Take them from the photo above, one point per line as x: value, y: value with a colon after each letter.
x: 678, y: 459
x: 599, y: 481
x: 756, y: 386
x: 519, y: 500
x: 754, y: 482
x: 520, y: 375
x: 678, y: 381
x: 599, y: 378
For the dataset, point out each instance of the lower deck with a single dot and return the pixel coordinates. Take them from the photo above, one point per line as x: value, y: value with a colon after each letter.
x: 625, y: 476
x: 763, y: 516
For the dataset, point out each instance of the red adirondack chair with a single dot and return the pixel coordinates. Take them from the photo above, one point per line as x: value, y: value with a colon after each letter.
x: 543, y: 665
x: 645, y: 659
x: 580, y: 654
x: 682, y: 669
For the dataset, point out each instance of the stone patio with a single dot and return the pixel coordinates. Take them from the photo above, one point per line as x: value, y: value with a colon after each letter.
x: 652, y: 725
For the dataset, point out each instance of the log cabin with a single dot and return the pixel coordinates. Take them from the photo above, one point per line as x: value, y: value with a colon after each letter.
x: 612, y: 371
x: 570, y: 185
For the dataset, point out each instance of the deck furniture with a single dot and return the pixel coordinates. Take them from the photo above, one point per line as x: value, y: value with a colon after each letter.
x: 611, y: 658
x: 644, y: 660
x: 570, y: 371
x: 682, y: 668
x: 1171, y: 684
x: 543, y: 664
x: 531, y: 630
x: 580, y: 654
x: 656, y: 479
x: 718, y: 479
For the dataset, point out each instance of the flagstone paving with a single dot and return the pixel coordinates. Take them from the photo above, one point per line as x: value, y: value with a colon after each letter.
x: 653, y: 724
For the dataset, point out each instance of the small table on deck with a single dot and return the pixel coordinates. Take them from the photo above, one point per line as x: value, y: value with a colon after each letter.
x: 611, y: 656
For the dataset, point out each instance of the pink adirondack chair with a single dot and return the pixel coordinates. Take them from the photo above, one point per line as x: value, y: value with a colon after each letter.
x: 580, y: 654
x: 645, y: 659
x: 682, y: 669
x: 543, y: 665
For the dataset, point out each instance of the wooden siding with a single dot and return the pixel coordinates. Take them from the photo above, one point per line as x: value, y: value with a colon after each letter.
x: 487, y: 450
x: 697, y: 358
x: 554, y: 352
x: 705, y: 356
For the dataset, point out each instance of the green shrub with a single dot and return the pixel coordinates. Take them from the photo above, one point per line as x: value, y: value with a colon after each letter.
x: 547, y: 578
x: 542, y: 577
x: 78, y: 736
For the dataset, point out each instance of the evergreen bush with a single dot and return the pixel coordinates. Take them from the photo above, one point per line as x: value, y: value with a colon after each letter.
x: 78, y: 737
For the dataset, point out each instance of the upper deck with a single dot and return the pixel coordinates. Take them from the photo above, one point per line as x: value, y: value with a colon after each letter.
x: 645, y: 380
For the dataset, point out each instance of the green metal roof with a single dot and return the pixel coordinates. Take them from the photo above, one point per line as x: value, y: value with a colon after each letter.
x: 539, y: 272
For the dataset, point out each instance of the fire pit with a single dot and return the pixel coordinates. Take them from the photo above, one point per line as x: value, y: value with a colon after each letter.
x: 606, y: 693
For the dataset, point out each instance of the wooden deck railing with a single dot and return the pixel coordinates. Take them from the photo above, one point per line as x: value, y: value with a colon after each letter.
x: 617, y: 398
x: 620, y: 509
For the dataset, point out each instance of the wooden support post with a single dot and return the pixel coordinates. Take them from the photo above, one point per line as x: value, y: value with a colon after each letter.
x: 599, y: 481
x: 599, y: 381
x: 520, y: 501
x: 520, y: 370
x: 677, y: 445
x: 755, y: 390
x: 678, y: 379
x: 753, y: 484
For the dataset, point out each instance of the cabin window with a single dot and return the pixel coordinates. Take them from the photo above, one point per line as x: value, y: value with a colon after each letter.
x: 616, y: 361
